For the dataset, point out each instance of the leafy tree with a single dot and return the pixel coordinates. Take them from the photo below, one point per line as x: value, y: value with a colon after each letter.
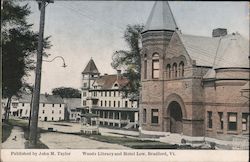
x: 19, y: 44
x: 130, y: 60
x: 67, y: 92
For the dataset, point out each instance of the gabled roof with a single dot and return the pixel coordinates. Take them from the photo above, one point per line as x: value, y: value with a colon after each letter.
x: 107, y: 81
x: 72, y: 103
x: 217, y: 52
x: 50, y: 99
x: 91, y: 68
x: 160, y: 18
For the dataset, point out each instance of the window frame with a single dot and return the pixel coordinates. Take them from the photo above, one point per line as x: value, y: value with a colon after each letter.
x: 155, y: 62
x: 144, y: 115
x: 232, y: 125
x: 154, y: 118
x: 209, y: 119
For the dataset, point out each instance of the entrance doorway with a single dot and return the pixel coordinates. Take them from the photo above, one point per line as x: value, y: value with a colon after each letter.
x: 175, y: 115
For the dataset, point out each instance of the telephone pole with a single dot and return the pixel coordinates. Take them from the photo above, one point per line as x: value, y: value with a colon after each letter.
x: 36, y: 92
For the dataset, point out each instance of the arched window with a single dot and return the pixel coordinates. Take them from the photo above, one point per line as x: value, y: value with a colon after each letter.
x: 181, y: 69
x: 168, y: 71
x: 155, y: 66
x: 145, y: 66
x: 174, y: 70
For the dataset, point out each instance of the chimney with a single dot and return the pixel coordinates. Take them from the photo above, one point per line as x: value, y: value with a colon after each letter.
x: 219, y: 32
x: 118, y: 74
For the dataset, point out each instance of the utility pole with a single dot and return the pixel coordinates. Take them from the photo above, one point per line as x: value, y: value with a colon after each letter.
x: 36, y: 92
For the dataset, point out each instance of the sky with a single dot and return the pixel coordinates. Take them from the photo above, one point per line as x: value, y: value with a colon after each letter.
x: 80, y: 30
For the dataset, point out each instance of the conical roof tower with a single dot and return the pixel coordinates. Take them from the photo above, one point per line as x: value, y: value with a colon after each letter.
x: 91, y: 68
x: 160, y: 18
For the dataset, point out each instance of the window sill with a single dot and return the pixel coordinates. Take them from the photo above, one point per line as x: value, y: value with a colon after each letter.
x: 209, y: 129
x: 155, y: 124
x: 232, y: 132
x: 220, y: 131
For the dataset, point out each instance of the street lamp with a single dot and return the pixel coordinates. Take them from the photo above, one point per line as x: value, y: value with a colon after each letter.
x: 64, y: 64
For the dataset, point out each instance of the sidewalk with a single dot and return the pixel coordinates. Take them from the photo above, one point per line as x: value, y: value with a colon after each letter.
x: 18, y: 143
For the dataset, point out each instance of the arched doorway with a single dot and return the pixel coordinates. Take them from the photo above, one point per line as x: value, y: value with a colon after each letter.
x: 175, y: 116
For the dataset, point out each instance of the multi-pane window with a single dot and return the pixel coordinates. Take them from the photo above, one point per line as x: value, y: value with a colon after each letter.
x: 155, y: 66
x: 116, y: 115
x: 118, y: 103
x: 114, y: 103
x: 232, y: 121
x: 145, y: 69
x: 144, y: 115
x: 245, y: 121
x: 114, y: 93
x: 105, y: 93
x: 209, y: 119
x: 84, y: 85
x: 84, y: 102
x: 154, y: 116
x: 84, y: 94
x: 101, y: 93
x: 105, y: 114
x: 109, y: 103
x: 110, y: 115
x: 101, y: 103
x: 105, y: 103
x: 109, y: 93
x: 220, y: 120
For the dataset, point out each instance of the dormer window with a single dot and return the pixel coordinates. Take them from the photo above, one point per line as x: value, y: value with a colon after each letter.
x: 115, y: 85
x: 155, y: 66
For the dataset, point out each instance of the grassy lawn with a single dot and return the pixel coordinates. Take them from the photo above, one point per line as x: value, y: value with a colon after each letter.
x: 133, y: 142
x: 6, y: 130
x: 24, y: 125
